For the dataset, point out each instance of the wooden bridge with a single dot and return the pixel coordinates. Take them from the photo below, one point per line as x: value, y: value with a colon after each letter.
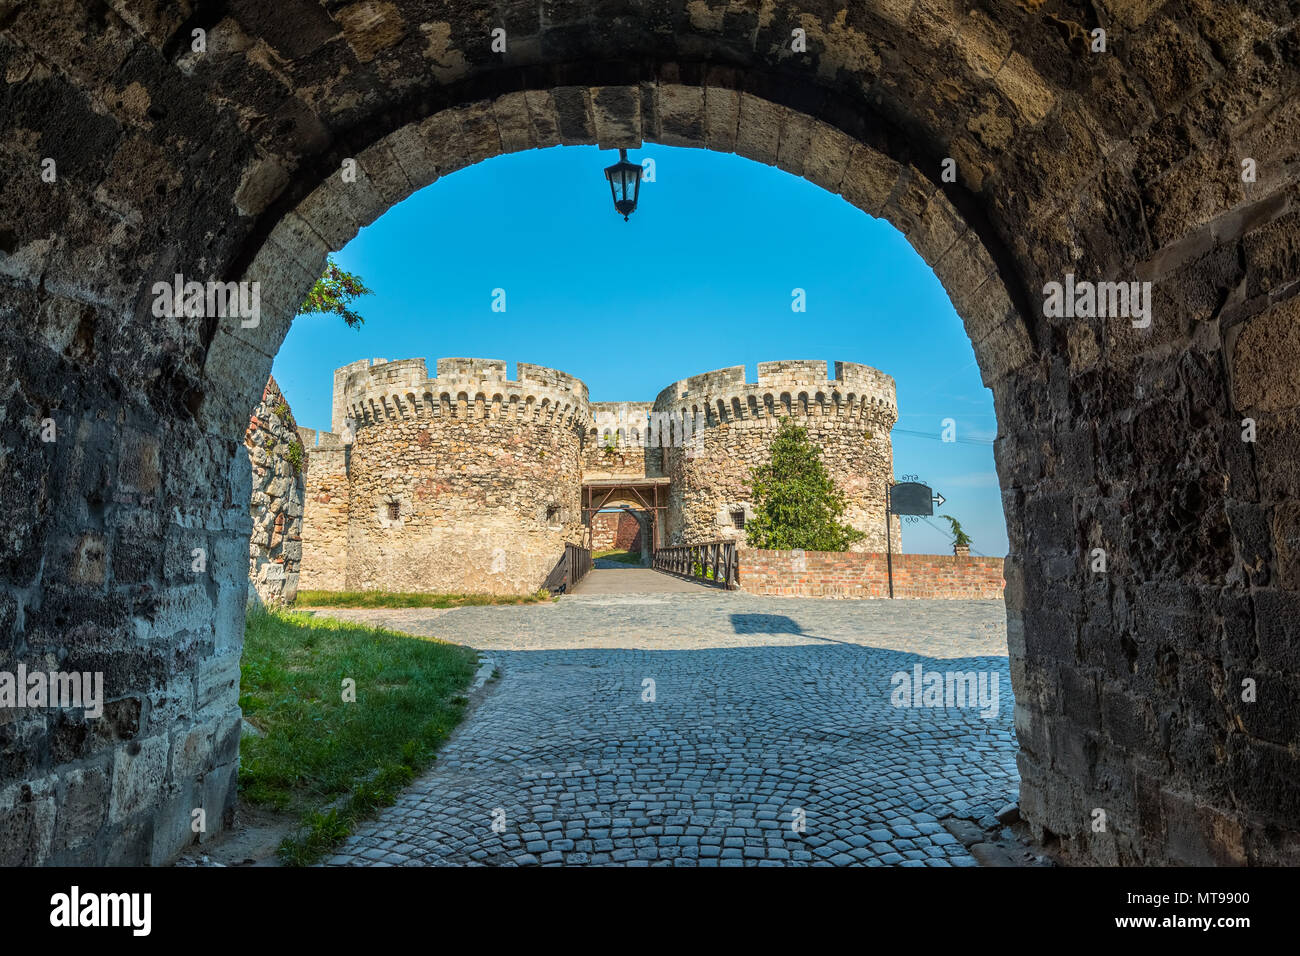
x: 676, y: 568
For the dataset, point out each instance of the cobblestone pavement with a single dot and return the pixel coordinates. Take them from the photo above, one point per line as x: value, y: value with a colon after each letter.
x: 771, y: 738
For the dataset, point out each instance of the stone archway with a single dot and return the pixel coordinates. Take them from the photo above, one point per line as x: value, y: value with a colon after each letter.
x: 1122, y: 165
x: 622, y: 526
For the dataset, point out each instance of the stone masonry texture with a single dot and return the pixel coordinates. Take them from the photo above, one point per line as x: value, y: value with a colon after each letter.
x: 275, y: 454
x: 461, y: 483
x: 1173, y: 448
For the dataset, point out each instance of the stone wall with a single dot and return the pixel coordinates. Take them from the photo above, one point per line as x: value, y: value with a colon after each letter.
x: 275, y: 453
x: 852, y: 574
x: 465, y: 482
x: 325, y: 512
x: 618, y: 442
x: 848, y: 417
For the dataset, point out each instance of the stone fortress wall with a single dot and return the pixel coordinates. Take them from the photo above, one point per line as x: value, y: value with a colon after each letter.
x: 467, y: 482
x: 464, y: 482
x: 617, y: 442
x: 849, y: 417
x: 325, y: 511
x: 275, y: 454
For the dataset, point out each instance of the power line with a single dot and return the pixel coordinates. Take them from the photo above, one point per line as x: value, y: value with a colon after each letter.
x: 933, y: 437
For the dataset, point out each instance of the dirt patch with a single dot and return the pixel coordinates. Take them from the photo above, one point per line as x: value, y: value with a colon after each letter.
x: 252, y: 841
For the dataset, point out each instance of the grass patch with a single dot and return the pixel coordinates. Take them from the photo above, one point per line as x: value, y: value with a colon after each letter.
x: 329, y: 760
x: 409, y: 599
x: 623, y: 557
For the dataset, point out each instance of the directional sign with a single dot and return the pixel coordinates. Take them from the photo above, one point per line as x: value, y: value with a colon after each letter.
x: 912, y: 498
x: 939, y: 499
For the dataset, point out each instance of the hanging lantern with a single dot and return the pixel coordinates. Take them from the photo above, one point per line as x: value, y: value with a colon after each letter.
x: 624, y: 184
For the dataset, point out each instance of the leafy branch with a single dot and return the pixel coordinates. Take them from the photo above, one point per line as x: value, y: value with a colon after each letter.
x: 333, y: 293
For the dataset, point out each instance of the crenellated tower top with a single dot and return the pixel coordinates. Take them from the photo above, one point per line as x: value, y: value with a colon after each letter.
x: 373, y: 391
x: 787, y: 388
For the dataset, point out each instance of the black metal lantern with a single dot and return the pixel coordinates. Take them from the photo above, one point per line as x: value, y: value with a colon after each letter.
x: 624, y: 184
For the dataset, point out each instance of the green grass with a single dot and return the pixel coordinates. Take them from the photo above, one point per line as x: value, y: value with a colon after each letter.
x: 319, y: 750
x: 623, y: 557
x: 409, y: 599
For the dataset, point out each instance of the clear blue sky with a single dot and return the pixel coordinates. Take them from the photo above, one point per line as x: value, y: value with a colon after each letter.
x: 699, y: 279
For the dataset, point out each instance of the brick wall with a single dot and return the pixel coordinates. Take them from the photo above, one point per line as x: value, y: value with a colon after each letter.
x: 615, y: 529
x: 849, y: 574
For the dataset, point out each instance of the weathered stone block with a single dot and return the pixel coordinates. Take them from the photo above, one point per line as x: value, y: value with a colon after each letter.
x: 83, y: 809
x: 616, y: 111
x: 680, y: 111
x: 27, y: 814
x: 721, y: 118
x: 1266, y: 360
x: 827, y: 160
x: 411, y: 151
x: 139, y: 775
x: 868, y: 179
x: 758, y: 129
x: 385, y: 175
x: 216, y: 683
x: 574, y: 116
x: 514, y: 123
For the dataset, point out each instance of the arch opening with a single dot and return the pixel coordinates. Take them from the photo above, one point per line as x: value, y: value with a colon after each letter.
x: 1116, y: 438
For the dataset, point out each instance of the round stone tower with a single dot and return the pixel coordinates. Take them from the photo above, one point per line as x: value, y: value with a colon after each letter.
x: 722, y: 429
x: 461, y: 483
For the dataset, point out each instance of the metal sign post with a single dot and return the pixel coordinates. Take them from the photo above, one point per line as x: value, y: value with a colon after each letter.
x: 889, y: 552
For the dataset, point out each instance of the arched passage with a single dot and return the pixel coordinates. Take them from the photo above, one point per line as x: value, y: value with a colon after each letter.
x: 1125, y: 165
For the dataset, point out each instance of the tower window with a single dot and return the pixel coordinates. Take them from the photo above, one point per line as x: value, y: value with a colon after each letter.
x: 553, y: 514
x: 394, y: 511
x: 738, y: 518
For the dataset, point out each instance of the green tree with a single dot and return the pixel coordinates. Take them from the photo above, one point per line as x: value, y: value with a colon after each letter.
x: 960, y: 538
x: 334, y: 292
x: 796, y: 505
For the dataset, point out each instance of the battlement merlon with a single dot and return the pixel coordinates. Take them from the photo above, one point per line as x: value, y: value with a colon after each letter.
x: 551, y: 378
x: 312, y: 440
x: 339, y: 404
x: 853, y: 373
x: 610, y: 416
x: 703, y: 384
x: 792, y: 372
x: 471, y: 369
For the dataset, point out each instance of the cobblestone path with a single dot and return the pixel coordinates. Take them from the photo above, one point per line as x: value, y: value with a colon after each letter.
x: 771, y: 738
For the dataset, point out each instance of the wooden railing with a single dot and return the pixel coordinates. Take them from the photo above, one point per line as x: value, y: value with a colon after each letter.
x: 579, y: 562
x: 713, y: 562
x: 569, y: 570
